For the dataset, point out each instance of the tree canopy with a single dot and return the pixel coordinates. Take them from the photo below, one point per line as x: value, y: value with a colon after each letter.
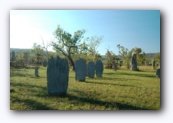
x: 127, y: 54
x: 73, y: 46
x: 66, y: 43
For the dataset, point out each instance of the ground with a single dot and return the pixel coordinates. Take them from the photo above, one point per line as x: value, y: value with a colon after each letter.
x: 116, y: 90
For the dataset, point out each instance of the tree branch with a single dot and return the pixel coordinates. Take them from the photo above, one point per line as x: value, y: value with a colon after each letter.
x: 45, y: 47
x: 60, y: 49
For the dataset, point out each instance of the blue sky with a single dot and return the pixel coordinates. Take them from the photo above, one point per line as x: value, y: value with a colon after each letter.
x: 129, y: 28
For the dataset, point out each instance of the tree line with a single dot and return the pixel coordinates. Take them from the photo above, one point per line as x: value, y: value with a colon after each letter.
x: 77, y: 46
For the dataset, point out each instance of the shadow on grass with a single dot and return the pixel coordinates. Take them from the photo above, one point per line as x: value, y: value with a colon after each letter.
x: 71, y: 77
x: 101, y: 83
x: 132, y: 73
x: 117, y: 79
x: 113, y: 79
x: 84, y: 98
x: 31, y: 104
x: 112, y: 105
x: 23, y: 73
x: 12, y: 84
x: 13, y: 74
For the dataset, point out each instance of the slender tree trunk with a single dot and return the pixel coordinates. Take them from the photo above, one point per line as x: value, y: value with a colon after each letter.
x: 70, y: 58
x: 72, y: 62
x: 67, y: 55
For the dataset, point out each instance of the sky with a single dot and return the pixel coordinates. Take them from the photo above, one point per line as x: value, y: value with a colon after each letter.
x: 129, y: 28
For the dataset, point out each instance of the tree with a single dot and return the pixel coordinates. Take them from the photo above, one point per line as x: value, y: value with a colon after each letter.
x: 66, y: 43
x: 157, y: 59
x: 39, y: 56
x: 140, y: 56
x: 94, y: 42
x: 19, y: 61
x: 81, y: 51
x: 125, y: 55
x: 110, y: 59
x: 45, y: 46
x: 26, y: 57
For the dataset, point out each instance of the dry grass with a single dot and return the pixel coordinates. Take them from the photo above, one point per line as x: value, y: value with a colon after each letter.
x: 116, y: 90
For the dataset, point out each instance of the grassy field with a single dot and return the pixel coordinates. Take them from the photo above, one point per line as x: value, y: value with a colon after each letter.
x: 116, y: 90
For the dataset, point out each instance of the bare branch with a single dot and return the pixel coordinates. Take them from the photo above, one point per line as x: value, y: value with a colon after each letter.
x: 45, y: 47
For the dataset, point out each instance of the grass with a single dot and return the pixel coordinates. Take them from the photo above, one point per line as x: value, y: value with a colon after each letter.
x: 116, y: 90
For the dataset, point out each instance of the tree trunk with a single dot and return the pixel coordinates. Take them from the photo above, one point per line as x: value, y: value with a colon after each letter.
x: 70, y: 58
x: 72, y: 62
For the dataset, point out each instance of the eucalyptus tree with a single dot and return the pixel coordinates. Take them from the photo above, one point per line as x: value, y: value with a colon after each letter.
x: 26, y: 57
x: 127, y: 54
x: 140, y: 55
x: 67, y: 44
x: 93, y: 43
x: 156, y: 58
x: 110, y: 59
x: 39, y: 57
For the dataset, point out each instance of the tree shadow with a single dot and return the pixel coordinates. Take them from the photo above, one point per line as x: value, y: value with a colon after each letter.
x: 95, y: 102
x: 112, y: 105
x: 111, y: 78
x: 71, y: 77
x: 82, y: 97
x: 141, y: 75
x: 117, y: 79
x: 17, y: 69
x: 13, y: 74
x: 112, y: 73
x: 38, y: 77
x: 101, y: 83
x: 26, y: 85
x: 31, y: 104
x: 20, y: 73
x: 132, y: 73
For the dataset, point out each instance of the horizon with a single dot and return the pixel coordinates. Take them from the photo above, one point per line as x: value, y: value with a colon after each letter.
x: 129, y: 28
x: 101, y: 54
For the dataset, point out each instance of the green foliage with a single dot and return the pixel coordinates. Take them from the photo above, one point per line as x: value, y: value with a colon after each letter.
x: 26, y: 57
x: 66, y: 39
x: 75, y: 46
x: 67, y: 44
x: 110, y: 59
x: 88, y: 49
x: 94, y: 42
x: 116, y: 90
x: 140, y: 56
x: 39, y: 54
x: 157, y: 58
x: 21, y: 60
x: 127, y: 55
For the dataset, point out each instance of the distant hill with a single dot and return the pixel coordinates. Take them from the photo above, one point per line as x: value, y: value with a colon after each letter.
x: 18, y: 50
x: 149, y: 55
